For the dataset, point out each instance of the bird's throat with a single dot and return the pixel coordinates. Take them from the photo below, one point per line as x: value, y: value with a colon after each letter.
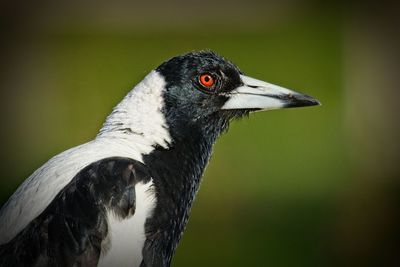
x: 176, y: 173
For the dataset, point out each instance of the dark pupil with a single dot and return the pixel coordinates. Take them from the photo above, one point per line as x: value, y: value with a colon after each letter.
x: 207, y: 78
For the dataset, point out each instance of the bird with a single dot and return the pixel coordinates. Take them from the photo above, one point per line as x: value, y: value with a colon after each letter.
x: 124, y: 198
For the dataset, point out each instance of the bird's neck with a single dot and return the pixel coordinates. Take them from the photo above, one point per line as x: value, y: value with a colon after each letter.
x: 181, y: 165
x: 176, y: 173
x: 138, y: 117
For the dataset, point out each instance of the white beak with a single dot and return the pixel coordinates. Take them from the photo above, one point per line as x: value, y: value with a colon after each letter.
x: 256, y: 94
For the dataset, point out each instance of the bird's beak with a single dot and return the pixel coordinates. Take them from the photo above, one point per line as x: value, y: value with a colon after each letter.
x: 256, y: 94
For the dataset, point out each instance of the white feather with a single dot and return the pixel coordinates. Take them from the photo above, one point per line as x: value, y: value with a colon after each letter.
x: 133, y: 129
x: 127, y: 237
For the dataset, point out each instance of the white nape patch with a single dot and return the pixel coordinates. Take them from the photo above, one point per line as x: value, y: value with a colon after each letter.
x: 139, y: 115
x: 254, y: 94
x: 133, y: 129
x: 126, y: 237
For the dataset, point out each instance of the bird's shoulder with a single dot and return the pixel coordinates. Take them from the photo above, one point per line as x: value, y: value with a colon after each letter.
x: 74, y: 225
x: 37, y: 191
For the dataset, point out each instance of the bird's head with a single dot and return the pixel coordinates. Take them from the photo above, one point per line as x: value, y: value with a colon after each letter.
x: 205, y: 88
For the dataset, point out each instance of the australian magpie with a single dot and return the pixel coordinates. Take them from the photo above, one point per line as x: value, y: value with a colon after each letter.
x: 123, y: 199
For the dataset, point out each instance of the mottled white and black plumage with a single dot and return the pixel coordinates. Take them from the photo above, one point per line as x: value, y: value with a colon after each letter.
x: 124, y: 198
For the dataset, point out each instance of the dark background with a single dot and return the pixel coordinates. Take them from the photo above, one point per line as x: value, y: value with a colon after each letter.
x: 301, y: 187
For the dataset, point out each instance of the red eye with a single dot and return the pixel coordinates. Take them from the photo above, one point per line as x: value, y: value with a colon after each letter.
x: 206, y: 80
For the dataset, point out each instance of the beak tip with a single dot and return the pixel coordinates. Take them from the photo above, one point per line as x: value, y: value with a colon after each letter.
x: 316, y: 103
x: 301, y: 100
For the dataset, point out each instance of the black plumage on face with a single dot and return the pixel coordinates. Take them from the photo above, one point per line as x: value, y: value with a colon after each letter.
x: 197, y: 85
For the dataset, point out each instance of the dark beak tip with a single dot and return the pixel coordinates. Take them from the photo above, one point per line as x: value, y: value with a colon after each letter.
x: 315, y: 102
x: 303, y: 101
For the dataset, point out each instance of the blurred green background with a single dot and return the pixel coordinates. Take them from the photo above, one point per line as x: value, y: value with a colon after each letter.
x: 300, y: 187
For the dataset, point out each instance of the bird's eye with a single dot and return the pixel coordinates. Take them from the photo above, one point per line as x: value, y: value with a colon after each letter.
x: 206, y: 80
